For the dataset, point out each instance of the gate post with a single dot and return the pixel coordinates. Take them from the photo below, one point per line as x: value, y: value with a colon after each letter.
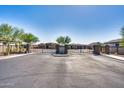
x: 66, y: 49
x: 107, y: 49
x: 60, y: 49
x: 57, y: 49
x: 80, y: 49
x: 96, y: 49
x: 117, y: 46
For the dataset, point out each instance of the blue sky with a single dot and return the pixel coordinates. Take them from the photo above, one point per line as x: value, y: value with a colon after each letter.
x: 84, y: 24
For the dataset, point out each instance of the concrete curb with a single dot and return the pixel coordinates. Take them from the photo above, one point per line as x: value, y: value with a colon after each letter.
x: 13, y: 56
x: 114, y: 56
x: 60, y: 55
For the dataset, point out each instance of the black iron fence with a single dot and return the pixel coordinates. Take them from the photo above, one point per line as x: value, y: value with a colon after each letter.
x: 16, y: 49
x: 112, y: 50
x: 71, y: 50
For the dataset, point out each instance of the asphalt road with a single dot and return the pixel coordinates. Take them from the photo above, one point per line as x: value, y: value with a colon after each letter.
x: 74, y: 71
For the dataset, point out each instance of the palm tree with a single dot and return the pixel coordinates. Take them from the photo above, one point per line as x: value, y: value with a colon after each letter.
x: 10, y: 34
x: 16, y: 37
x: 63, y: 40
x: 6, y: 31
x: 29, y: 38
x: 122, y: 34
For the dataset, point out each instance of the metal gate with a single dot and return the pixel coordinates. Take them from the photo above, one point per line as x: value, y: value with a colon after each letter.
x: 79, y: 51
x: 53, y: 50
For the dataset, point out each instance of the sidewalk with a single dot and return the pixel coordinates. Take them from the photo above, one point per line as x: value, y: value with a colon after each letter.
x: 115, y: 56
x: 12, y: 56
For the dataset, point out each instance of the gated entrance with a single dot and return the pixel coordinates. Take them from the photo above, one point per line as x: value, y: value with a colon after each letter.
x: 70, y: 49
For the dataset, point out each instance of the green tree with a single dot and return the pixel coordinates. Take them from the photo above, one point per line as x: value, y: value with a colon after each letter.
x: 13, y: 35
x: 29, y: 38
x: 122, y: 34
x: 63, y: 40
x: 6, y: 31
x: 16, y: 38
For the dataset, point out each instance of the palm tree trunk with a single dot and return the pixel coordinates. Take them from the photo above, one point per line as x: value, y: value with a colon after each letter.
x: 20, y: 48
x: 28, y: 48
x: 8, y: 49
x: 17, y: 47
x: 3, y: 48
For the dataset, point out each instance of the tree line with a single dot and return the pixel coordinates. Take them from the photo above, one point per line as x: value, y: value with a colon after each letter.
x: 13, y: 35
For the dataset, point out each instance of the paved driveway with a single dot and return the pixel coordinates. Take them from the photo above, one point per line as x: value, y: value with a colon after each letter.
x: 43, y: 70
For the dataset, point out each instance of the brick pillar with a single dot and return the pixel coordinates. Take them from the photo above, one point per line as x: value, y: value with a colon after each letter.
x: 96, y: 49
x: 107, y: 49
x: 66, y: 49
x: 57, y: 49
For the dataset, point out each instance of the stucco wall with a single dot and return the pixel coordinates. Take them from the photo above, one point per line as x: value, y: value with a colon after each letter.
x: 2, y: 48
x: 121, y: 51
